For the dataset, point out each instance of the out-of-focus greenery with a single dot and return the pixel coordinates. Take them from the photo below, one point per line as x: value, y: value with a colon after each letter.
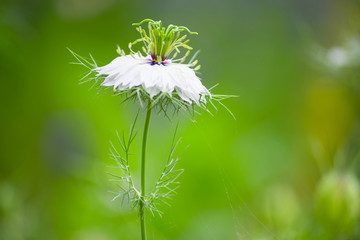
x: 264, y: 175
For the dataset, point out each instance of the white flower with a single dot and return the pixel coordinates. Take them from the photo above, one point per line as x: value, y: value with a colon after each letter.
x: 156, y: 74
x: 131, y: 71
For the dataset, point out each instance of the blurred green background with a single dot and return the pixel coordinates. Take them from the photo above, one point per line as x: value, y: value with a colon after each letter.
x: 286, y: 168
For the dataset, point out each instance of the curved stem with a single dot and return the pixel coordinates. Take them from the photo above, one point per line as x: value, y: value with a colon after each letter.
x: 143, y: 154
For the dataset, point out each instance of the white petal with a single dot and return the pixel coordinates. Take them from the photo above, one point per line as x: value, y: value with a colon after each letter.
x: 153, y: 91
x: 128, y: 71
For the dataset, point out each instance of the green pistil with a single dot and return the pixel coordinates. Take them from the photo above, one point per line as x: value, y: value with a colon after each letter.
x: 160, y: 42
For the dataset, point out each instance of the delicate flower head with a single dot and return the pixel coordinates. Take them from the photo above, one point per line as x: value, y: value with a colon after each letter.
x: 157, y: 71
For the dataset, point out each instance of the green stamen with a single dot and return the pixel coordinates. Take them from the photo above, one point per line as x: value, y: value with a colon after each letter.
x: 159, y: 42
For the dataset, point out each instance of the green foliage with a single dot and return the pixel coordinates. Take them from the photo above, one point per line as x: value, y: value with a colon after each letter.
x: 255, y: 49
x: 165, y: 187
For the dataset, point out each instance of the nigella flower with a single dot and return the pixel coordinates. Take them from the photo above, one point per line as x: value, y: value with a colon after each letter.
x: 132, y: 71
x: 157, y: 77
x: 156, y: 74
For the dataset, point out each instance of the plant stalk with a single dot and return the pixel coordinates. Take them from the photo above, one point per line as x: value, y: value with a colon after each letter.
x: 143, y: 154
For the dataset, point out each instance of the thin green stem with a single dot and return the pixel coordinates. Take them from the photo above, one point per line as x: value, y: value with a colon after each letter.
x: 143, y: 154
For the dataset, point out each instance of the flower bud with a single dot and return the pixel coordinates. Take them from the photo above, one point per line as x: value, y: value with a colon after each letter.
x: 338, y: 201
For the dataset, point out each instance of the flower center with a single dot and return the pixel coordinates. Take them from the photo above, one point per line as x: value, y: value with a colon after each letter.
x: 153, y: 62
x: 160, y: 42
